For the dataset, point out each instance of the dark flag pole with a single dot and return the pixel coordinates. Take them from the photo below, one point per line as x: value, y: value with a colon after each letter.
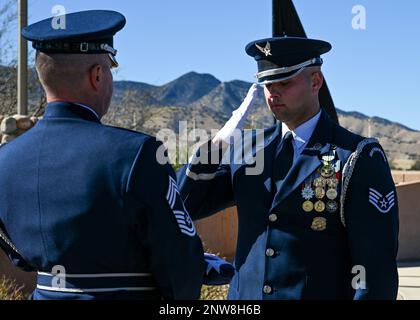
x: 286, y: 22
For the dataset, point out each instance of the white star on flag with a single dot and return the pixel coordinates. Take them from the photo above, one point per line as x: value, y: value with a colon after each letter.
x: 213, y: 262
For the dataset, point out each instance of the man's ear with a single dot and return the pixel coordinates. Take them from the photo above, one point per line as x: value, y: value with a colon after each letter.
x: 95, y: 76
x: 317, y: 80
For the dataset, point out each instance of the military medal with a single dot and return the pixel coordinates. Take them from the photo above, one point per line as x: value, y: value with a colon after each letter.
x: 332, y: 206
x: 308, y: 206
x: 307, y: 193
x: 332, y: 194
x: 319, y: 206
x: 319, y: 193
x: 319, y: 182
x: 319, y: 224
x: 328, y: 158
x: 332, y: 182
x: 327, y: 171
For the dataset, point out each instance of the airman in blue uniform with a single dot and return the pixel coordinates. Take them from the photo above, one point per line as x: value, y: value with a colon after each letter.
x: 319, y: 220
x: 90, y: 207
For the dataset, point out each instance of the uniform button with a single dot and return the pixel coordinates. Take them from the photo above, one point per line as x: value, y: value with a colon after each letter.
x: 269, y: 252
x: 272, y: 217
x: 267, y: 289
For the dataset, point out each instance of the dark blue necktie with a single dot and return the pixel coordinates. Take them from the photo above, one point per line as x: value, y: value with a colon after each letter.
x: 284, y: 159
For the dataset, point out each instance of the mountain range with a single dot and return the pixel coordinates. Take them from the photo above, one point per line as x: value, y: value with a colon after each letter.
x: 207, y: 103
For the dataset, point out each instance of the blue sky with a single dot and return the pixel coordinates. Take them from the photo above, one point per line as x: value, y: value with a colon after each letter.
x: 374, y: 71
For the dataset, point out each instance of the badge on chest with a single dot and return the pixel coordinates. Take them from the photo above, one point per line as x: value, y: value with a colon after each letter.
x: 320, y: 191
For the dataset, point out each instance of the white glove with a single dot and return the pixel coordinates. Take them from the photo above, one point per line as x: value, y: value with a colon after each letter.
x: 238, y: 117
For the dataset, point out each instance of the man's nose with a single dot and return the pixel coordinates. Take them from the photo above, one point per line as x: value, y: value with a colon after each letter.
x: 274, y: 91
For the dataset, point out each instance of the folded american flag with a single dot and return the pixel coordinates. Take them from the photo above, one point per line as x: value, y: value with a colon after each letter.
x: 218, y: 271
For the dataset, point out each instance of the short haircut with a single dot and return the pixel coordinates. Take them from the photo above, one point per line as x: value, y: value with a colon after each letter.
x: 58, y: 71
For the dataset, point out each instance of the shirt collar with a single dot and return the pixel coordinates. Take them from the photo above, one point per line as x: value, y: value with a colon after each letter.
x: 88, y: 108
x: 303, y: 133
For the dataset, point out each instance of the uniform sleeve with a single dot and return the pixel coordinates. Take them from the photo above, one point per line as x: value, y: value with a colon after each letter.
x: 205, y: 183
x: 168, y: 233
x: 371, y: 216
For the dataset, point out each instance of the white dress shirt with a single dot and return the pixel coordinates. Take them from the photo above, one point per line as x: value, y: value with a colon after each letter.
x: 301, y: 134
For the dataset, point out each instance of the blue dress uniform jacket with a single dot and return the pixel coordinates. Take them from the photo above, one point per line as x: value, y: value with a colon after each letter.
x: 94, y: 200
x: 284, y: 252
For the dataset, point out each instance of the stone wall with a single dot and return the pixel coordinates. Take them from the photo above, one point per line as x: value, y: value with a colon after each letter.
x: 409, y: 237
x: 405, y: 176
x: 12, y: 127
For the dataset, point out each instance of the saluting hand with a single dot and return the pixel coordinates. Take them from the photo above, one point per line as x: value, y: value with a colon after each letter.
x: 238, y: 117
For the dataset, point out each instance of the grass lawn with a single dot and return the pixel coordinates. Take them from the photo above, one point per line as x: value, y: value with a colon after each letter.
x: 9, y: 290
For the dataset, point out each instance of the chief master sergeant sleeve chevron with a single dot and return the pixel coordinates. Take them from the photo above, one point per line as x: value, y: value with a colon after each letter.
x: 370, y: 213
x: 166, y: 230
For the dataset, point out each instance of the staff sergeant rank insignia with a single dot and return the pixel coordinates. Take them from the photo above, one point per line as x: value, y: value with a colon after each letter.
x: 383, y: 203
